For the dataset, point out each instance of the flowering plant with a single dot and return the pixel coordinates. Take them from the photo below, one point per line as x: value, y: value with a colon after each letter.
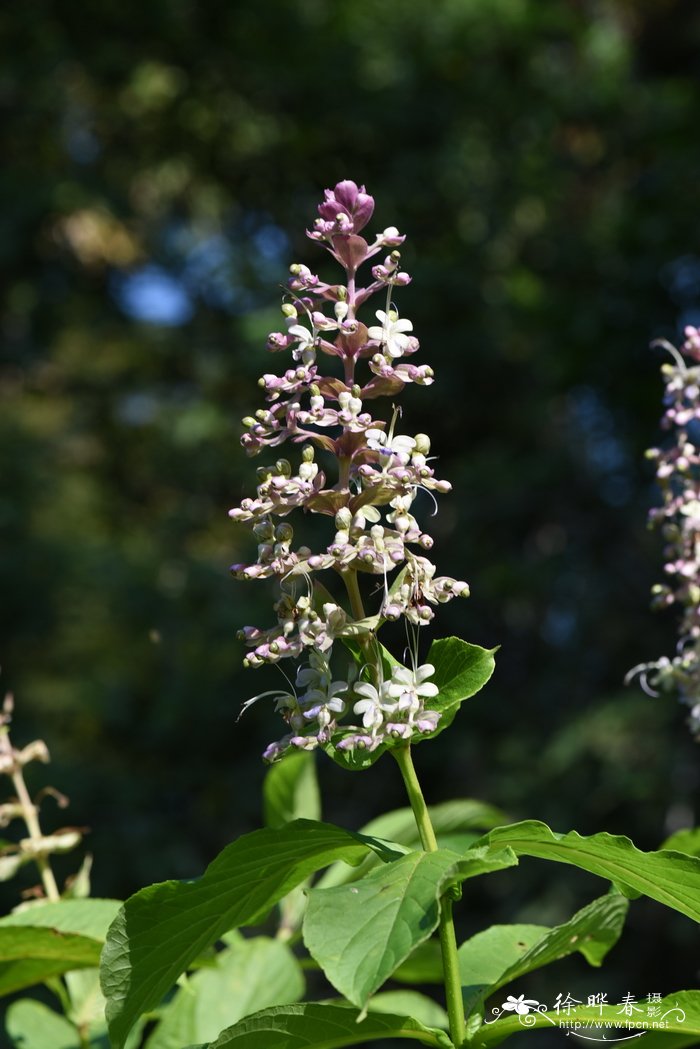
x: 379, y: 474
x: 678, y: 517
x: 350, y: 910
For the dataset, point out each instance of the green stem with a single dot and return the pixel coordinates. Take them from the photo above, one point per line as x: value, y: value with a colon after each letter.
x: 448, y: 940
x: 353, y: 589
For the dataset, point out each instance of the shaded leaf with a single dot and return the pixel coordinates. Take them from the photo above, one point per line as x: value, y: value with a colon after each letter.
x: 504, y: 953
x: 32, y: 1025
x: 410, y: 1003
x: 290, y: 790
x: 423, y: 966
x: 248, y: 977
x: 486, y: 956
x: 400, y: 826
x: 32, y: 955
x: 331, y: 1026
x: 164, y: 927
x: 88, y: 917
x: 360, y: 933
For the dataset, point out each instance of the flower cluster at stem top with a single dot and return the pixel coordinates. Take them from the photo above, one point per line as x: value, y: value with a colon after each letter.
x: 678, y: 517
x: 367, y: 484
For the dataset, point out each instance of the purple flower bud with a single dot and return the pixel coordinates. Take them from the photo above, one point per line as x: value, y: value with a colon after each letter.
x: 350, y: 201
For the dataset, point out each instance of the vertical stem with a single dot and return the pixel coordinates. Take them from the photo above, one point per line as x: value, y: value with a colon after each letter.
x: 353, y: 589
x: 29, y: 815
x: 448, y: 940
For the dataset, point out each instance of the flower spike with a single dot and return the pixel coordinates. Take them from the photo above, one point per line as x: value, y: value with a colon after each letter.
x: 367, y: 485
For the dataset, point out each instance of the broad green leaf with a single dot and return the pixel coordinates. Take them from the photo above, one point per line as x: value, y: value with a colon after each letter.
x: 686, y: 840
x: 360, y: 933
x: 32, y: 955
x: 162, y: 929
x: 315, y: 1026
x: 423, y: 966
x: 84, y: 916
x: 410, y: 1003
x: 32, y: 1025
x: 592, y: 931
x: 680, y: 1011
x: 87, y: 1001
x: 504, y: 953
x: 247, y: 977
x: 669, y: 877
x: 290, y: 790
x: 464, y: 814
x: 487, y: 955
x: 461, y: 670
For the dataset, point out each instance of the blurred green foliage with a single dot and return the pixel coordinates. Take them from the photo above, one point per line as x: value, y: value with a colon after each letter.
x: 161, y: 162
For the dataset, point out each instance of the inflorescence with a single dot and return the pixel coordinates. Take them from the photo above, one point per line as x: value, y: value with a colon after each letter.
x: 678, y: 517
x: 368, y: 482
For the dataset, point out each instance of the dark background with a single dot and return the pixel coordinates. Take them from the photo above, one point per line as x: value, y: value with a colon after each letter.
x: 160, y: 163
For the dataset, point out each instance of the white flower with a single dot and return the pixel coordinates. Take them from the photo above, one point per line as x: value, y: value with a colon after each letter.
x: 410, y: 687
x: 304, y: 351
x: 388, y: 444
x: 371, y: 706
x: 391, y: 334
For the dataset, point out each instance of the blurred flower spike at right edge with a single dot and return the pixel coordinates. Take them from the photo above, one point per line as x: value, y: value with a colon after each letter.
x: 370, y: 480
x: 678, y: 517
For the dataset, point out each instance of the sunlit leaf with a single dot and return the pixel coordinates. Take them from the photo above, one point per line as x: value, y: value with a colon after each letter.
x: 672, y: 878
x: 162, y: 929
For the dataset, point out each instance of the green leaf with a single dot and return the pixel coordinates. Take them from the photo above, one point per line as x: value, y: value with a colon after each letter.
x: 249, y: 976
x: 669, y: 877
x: 486, y: 956
x: 87, y: 917
x: 315, y: 1026
x: 32, y: 1025
x: 290, y: 790
x: 400, y: 826
x: 87, y: 1004
x: 32, y: 955
x: 360, y: 933
x: 680, y: 1011
x: 686, y: 840
x: 423, y: 966
x: 461, y: 670
x: 504, y: 953
x: 164, y: 927
x: 410, y: 1003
